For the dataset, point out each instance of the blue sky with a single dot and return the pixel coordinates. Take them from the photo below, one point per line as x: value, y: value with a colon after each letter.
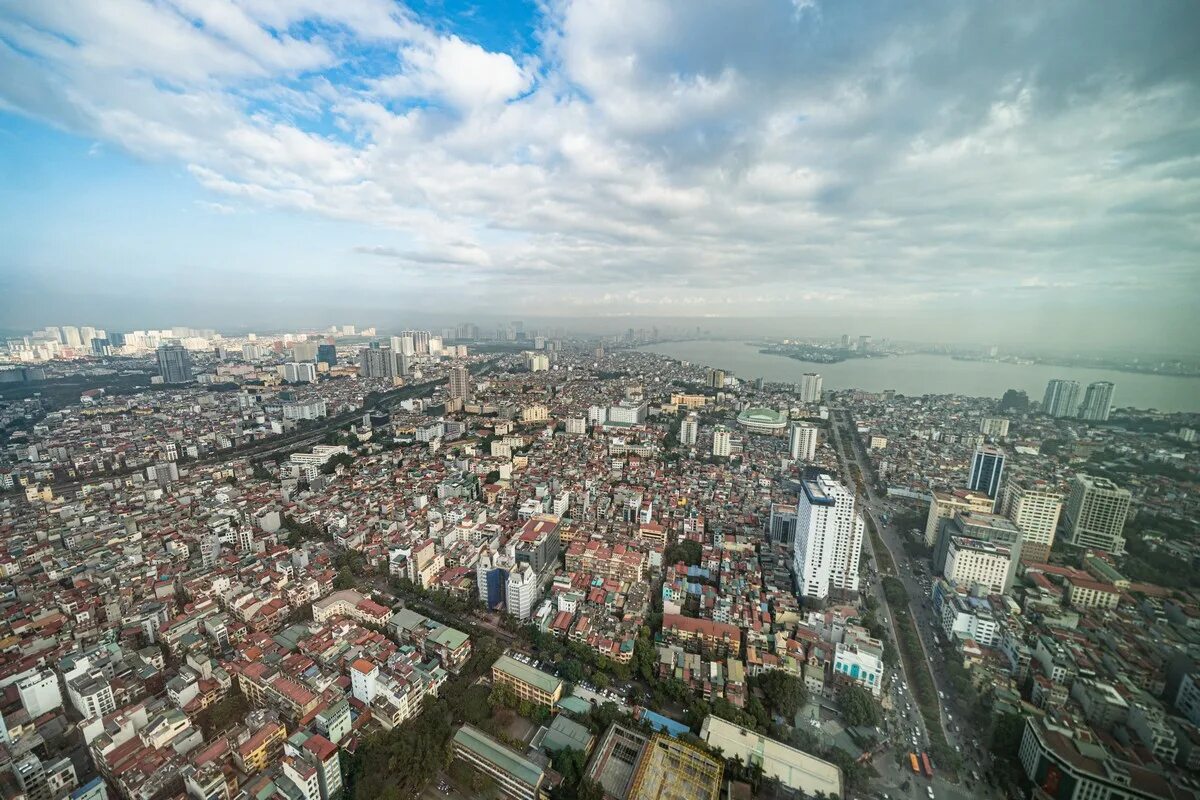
x: 951, y: 167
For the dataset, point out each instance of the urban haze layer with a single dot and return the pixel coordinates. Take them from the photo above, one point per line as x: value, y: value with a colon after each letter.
x: 528, y: 564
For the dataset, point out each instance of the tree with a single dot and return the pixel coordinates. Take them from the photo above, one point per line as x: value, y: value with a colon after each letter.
x: 1015, y: 400
x: 784, y: 693
x: 343, y: 580
x: 857, y: 706
x: 688, y: 551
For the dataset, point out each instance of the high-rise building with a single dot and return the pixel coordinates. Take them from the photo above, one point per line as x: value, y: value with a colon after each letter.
x: 829, y: 533
x: 781, y: 525
x: 304, y: 351
x: 994, y: 426
x: 71, y: 336
x: 809, y: 388
x: 536, y: 362
x: 1034, y: 507
x: 983, y: 527
x: 1062, y: 396
x: 987, y: 468
x: 722, y: 441
x: 376, y: 362
x: 420, y: 341
x: 689, y: 430
x: 327, y: 354
x: 802, y: 443
x: 845, y: 341
x: 946, y: 504
x: 864, y: 342
x: 523, y: 591
x: 716, y: 378
x: 174, y: 364
x: 300, y: 372
x: 1096, y: 512
x: 460, y: 382
x: 1097, y: 402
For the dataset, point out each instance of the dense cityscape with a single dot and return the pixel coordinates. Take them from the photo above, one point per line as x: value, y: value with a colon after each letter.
x: 524, y: 563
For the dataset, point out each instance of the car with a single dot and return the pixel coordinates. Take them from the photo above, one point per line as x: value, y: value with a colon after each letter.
x: 929, y: 789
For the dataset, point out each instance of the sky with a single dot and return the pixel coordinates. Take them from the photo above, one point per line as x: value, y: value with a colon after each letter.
x: 939, y: 170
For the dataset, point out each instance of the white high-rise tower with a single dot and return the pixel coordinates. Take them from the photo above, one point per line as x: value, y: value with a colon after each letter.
x: 829, y: 535
x: 802, y: 446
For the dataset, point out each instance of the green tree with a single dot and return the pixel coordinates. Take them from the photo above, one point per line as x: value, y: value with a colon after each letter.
x: 857, y: 706
x: 688, y: 551
x: 784, y: 693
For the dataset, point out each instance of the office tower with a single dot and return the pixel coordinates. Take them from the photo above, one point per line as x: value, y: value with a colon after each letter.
x: 304, y: 351
x: 946, y: 504
x: 716, y: 378
x: 1096, y: 512
x: 689, y: 430
x: 523, y: 591
x: 863, y: 343
x: 460, y: 382
x: 1034, y: 507
x: 802, y: 444
x: 174, y: 363
x: 994, y: 426
x: 809, y: 388
x: 376, y: 362
x: 987, y: 468
x: 101, y: 347
x: 327, y: 354
x: 1062, y: 396
x: 722, y: 442
x: 829, y: 533
x: 1097, y: 401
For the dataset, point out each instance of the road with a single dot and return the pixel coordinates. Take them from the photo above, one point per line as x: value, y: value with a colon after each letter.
x: 915, y: 577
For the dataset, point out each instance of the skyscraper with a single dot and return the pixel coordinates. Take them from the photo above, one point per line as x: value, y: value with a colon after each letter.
x: 689, y: 430
x: 1097, y: 402
x: 460, y: 382
x: 174, y: 363
x: 987, y: 468
x: 1062, y: 396
x: 376, y: 362
x: 802, y: 443
x: 1096, y: 512
x: 829, y: 534
x: 809, y: 388
x: 1034, y: 507
x: 716, y: 378
x: 864, y: 342
x: 327, y: 354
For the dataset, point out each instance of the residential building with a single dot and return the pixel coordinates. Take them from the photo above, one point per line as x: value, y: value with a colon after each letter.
x: 174, y: 363
x: 994, y: 426
x: 1061, y: 398
x: 808, y: 390
x: 722, y: 444
x: 975, y: 561
x: 460, y: 382
x: 1035, y: 508
x: 1097, y: 402
x: 945, y: 504
x: 802, y: 443
x: 689, y: 430
x: 522, y: 591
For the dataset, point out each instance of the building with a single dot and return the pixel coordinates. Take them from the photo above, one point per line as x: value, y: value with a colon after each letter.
x: 174, y: 363
x: 994, y: 426
x: 802, y: 443
x: 1061, y: 398
x: 781, y: 524
x: 974, y: 561
x: 39, y: 692
x: 722, y: 441
x: 628, y: 412
x: 460, y: 382
x: 829, y: 533
x: 987, y: 468
x: 808, y: 390
x: 1065, y: 764
x: 1034, y: 508
x: 1187, y: 699
x: 539, y: 542
x: 946, y: 504
x: 716, y: 378
x: 1083, y: 594
x: 858, y: 658
x: 670, y: 768
x: 522, y: 591
x: 515, y: 776
x: 689, y: 430
x: 1097, y: 402
x: 327, y: 354
x: 527, y: 682
x: 984, y: 528
x: 717, y: 639
x: 794, y: 769
x: 537, y: 362
x: 376, y: 362
x: 300, y: 372
x: 1096, y: 512
x: 762, y: 420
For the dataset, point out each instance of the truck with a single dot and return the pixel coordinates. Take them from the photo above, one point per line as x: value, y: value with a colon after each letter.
x: 916, y: 768
x: 926, y: 766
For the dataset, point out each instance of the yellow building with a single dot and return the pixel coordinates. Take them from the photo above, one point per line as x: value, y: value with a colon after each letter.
x: 944, y: 506
x: 1083, y: 593
x: 689, y: 400
x: 527, y: 682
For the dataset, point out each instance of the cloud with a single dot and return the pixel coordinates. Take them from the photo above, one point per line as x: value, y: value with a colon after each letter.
x: 769, y: 155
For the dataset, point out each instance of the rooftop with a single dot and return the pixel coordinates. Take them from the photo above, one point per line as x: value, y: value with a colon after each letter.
x: 495, y: 753
x: 527, y: 674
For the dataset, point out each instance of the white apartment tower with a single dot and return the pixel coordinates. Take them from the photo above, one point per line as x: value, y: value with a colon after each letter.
x: 802, y: 444
x: 829, y: 535
x: 809, y: 388
x: 722, y: 441
x: 689, y: 431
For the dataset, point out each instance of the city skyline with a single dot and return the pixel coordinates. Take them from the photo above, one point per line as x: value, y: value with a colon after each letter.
x: 225, y: 162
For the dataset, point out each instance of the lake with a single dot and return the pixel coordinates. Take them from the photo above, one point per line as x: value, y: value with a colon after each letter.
x: 932, y: 374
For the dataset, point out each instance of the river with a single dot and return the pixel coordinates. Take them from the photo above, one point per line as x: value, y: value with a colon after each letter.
x: 932, y: 374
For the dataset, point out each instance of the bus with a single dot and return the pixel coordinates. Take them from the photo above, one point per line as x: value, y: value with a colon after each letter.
x: 915, y: 767
x: 926, y: 765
